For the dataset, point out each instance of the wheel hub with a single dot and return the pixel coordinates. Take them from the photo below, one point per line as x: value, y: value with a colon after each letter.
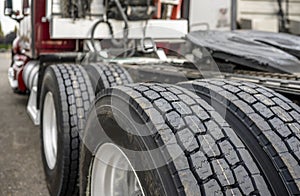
x: 50, y: 131
x: 113, y: 174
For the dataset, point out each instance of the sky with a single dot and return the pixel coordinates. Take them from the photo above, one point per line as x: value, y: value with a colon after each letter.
x: 7, y: 23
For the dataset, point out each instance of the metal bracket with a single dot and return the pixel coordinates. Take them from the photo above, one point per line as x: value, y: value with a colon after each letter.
x: 148, y: 45
x: 32, y: 110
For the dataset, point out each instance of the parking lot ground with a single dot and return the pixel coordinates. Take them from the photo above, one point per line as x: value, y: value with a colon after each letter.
x: 21, y: 170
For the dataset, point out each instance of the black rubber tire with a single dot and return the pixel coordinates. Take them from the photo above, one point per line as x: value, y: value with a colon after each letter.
x: 103, y: 75
x: 212, y: 161
x: 72, y: 92
x: 266, y: 121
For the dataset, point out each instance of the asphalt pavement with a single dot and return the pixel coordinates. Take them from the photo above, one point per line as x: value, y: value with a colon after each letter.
x: 21, y: 170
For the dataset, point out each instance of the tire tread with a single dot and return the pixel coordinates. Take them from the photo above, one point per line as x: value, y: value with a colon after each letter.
x: 74, y: 88
x: 200, y: 169
x: 272, y: 118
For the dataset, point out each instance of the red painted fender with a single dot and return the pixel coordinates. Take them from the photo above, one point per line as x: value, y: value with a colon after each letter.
x: 19, y: 62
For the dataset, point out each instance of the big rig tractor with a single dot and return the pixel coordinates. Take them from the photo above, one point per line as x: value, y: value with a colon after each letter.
x: 131, y: 100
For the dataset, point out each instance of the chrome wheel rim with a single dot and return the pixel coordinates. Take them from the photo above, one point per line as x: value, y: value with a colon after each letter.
x: 113, y: 174
x: 50, y: 131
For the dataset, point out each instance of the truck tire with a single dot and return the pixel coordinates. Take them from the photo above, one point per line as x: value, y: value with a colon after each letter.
x: 66, y: 95
x: 266, y: 122
x: 103, y: 76
x: 192, y: 150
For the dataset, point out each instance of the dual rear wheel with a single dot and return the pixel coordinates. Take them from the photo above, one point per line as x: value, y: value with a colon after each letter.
x: 267, y: 122
x: 174, y: 142
x: 156, y: 139
x: 66, y: 95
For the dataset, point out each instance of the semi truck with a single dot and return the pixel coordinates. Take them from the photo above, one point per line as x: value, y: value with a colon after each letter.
x: 131, y: 101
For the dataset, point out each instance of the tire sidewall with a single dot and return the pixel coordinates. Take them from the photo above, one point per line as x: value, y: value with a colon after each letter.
x: 95, y: 78
x: 53, y: 177
x: 156, y: 181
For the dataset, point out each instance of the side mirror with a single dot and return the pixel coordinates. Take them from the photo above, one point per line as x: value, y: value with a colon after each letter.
x: 26, y: 8
x: 8, y: 7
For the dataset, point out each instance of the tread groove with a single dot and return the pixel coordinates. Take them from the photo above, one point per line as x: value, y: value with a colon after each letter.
x: 268, y: 116
x: 199, y: 158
